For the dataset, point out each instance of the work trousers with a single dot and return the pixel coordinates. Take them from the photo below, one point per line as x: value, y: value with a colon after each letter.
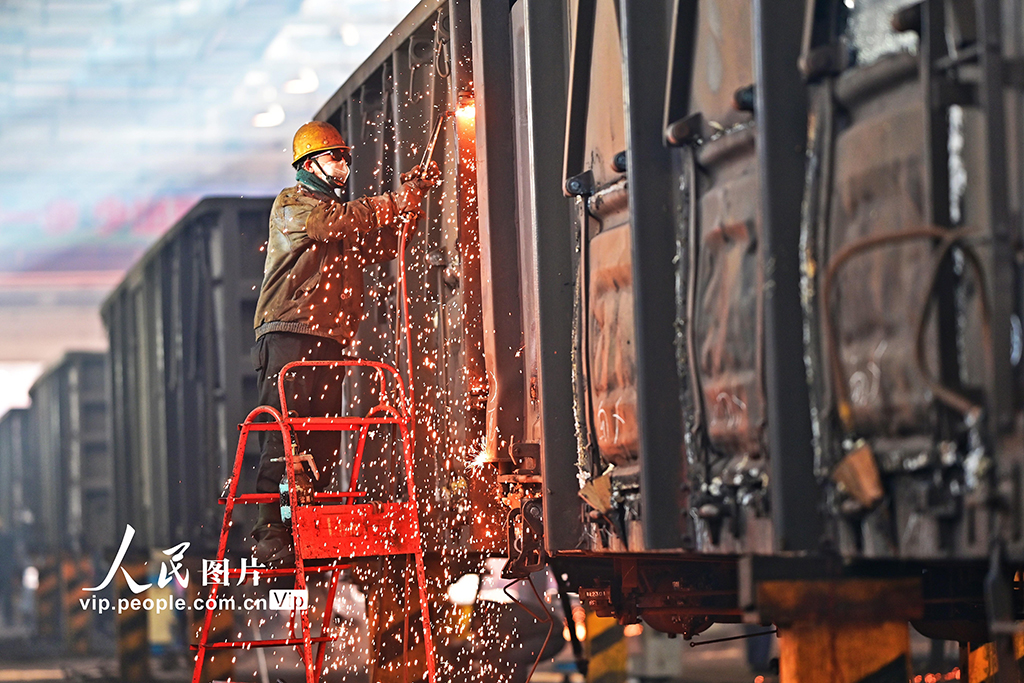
x: 309, y: 392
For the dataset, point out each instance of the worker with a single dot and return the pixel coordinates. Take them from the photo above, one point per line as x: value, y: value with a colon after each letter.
x: 311, y: 301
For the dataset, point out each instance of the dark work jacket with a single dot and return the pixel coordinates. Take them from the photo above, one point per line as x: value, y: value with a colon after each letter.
x: 318, y: 247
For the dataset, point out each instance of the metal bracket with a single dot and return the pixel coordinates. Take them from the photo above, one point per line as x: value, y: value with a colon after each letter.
x: 526, y: 456
x: 581, y: 185
x: 685, y: 131
x: 826, y: 60
x: 525, y: 540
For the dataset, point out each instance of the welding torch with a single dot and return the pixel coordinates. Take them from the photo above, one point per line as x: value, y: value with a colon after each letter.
x: 429, y: 151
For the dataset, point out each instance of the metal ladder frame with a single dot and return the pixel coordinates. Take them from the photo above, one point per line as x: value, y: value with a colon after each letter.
x: 326, y: 531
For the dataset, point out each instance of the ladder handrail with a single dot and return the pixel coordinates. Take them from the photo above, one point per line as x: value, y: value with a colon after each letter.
x: 404, y: 409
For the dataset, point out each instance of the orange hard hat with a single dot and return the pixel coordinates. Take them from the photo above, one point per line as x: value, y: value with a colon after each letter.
x: 315, y: 137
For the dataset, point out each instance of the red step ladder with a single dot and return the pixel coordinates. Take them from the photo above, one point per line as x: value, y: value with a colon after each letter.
x: 333, y: 528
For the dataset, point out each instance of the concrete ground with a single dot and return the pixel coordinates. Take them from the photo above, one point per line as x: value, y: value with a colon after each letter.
x: 26, y: 659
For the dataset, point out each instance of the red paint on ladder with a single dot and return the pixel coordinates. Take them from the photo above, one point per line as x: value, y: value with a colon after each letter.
x: 339, y: 531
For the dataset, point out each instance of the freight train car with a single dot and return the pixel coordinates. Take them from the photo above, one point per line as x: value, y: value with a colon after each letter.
x: 795, y: 333
x: 56, y: 470
x: 15, y: 516
x: 180, y: 373
x: 719, y: 306
x: 418, y: 79
x: 421, y: 79
x: 68, y: 417
x: 759, y: 357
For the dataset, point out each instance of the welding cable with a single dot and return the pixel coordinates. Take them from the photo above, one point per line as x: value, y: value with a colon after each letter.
x: 971, y: 411
x: 946, y: 238
x: 405, y: 614
x: 584, y: 320
x: 699, y: 407
x: 409, y: 222
x: 550, y: 620
x: 582, y: 663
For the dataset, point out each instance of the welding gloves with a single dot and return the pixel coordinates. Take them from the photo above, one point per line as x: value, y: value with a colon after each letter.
x: 431, y: 176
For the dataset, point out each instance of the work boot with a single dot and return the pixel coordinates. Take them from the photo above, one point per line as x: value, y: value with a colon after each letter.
x: 274, y: 546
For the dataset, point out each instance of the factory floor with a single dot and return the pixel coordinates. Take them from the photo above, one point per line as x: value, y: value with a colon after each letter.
x: 27, y: 659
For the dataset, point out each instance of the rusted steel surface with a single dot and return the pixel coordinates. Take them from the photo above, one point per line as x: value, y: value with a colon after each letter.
x: 728, y: 317
x: 613, y: 359
x: 840, y: 601
x: 877, y: 301
x: 898, y: 263
x: 388, y: 109
x: 605, y: 122
x: 609, y: 340
x: 723, y: 60
x: 845, y: 653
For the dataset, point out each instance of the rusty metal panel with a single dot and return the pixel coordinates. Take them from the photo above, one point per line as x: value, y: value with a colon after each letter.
x: 605, y: 123
x: 877, y: 190
x: 728, y: 318
x: 723, y: 60
x: 722, y: 278
x: 907, y: 354
x: 610, y: 343
x: 612, y: 351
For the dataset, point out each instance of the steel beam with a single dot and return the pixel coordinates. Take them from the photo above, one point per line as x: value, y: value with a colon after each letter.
x: 1001, y: 276
x: 499, y: 250
x: 539, y: 29
x: 781, y: 113
x: 645, y: 38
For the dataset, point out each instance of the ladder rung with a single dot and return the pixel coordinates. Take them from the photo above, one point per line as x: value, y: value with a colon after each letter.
x: 235, y: 573
x: 325, y: 424
x: 246, y: 644
x: 253, y: 498
x: 336, y: 495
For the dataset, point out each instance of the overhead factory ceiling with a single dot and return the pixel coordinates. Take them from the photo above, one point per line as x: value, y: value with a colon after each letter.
x: 117, y: 115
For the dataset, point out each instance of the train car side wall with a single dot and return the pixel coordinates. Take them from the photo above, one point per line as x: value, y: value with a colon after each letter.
x: 180, y: 371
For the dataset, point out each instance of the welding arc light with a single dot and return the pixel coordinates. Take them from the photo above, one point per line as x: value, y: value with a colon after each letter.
x: 466, y: 112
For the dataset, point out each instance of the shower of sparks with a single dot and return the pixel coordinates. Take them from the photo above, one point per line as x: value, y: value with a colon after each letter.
x: 443, y: 367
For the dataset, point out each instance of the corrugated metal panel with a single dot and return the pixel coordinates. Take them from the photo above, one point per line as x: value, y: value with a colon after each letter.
x: 181, y: 379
